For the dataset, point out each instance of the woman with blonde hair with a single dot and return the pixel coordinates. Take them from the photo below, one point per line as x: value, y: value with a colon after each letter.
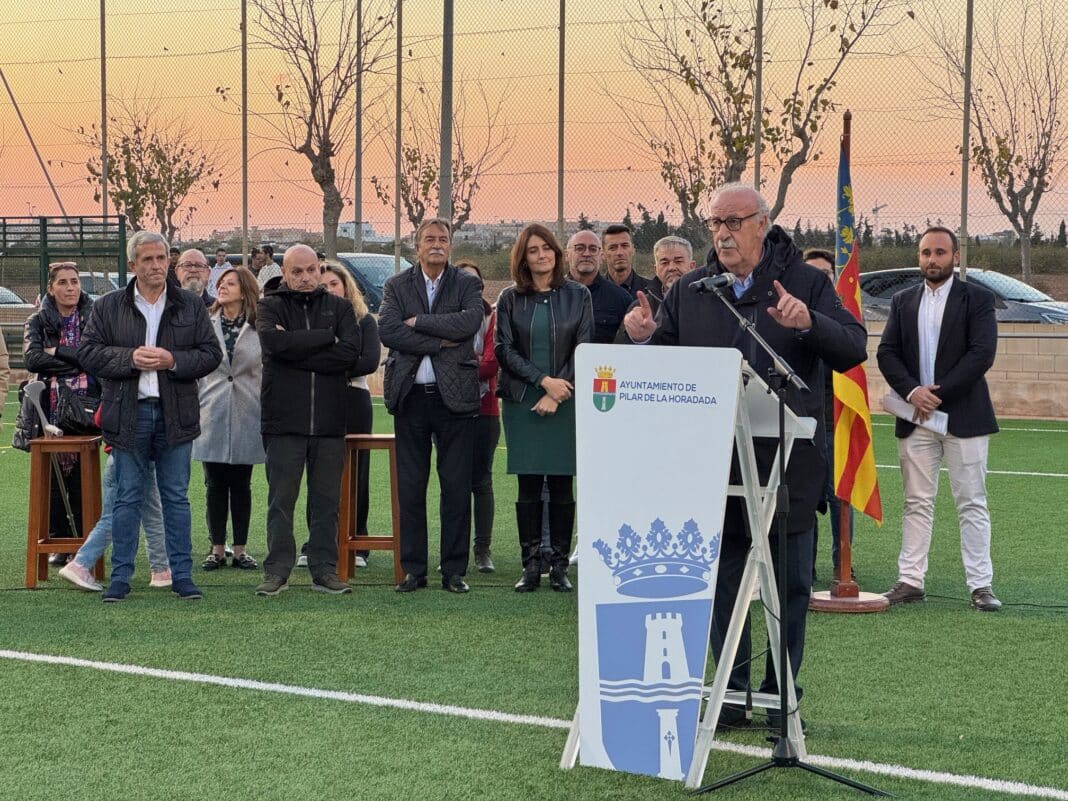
x: 359, y: 415
x: 230, y: 444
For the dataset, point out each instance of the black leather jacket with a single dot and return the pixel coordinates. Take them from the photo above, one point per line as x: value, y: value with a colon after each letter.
x: 42, y: 331
x: 570, y: 324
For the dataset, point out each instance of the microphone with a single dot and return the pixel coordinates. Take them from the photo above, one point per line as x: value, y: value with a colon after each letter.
x: 713, y: 283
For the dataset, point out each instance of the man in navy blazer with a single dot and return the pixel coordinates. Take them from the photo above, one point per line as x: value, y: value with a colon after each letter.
x: 938, y: 344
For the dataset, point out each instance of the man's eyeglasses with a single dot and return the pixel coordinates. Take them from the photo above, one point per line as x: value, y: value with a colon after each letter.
x: 586, y: 248
x: 732, y: 223
x: 191, y: 265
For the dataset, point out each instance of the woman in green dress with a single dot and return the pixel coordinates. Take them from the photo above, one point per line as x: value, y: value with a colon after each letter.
x: 541, y: 319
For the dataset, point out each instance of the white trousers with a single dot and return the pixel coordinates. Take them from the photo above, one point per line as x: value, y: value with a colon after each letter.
x: 921, y: 455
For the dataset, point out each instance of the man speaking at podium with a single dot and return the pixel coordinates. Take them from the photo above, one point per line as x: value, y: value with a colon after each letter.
x: 796, y: 309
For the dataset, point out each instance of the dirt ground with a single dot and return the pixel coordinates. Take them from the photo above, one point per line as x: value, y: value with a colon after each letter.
x: 1056, y: 286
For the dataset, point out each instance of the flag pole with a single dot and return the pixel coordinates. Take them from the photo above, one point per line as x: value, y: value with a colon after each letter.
x: 843, y: 585
x: 845, y: 594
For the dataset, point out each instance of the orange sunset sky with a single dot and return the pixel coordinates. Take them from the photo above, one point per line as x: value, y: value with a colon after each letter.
x: 176, y: 54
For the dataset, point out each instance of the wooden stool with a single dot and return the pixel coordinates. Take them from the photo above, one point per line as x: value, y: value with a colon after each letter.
x: 38, y: 544
x: 347, y: 540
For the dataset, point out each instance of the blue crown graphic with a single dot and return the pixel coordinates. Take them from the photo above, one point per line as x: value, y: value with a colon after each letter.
x: 663, y: 564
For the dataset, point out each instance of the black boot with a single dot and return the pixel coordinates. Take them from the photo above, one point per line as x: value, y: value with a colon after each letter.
x: 483, y: 519
x: 561, y: 524
x: 528, y: 521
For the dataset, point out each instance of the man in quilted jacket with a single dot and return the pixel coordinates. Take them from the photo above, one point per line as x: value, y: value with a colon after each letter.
x: 428, y: 319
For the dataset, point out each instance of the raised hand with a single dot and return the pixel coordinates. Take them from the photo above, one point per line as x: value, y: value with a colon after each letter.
x: 790, y: 312
x: 639, y: 322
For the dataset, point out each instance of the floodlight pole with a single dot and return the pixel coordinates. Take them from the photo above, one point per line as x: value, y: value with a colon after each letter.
x: 560, y: 129
x: 357, y: 173
x: 966, y: 137
x: 103, y: 113
x: 758, y: 88
x: 397, y: 141
x: 445, y: 159
x: 244, y: 133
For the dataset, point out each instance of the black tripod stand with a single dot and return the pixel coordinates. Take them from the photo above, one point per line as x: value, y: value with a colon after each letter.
x: 783, y: 755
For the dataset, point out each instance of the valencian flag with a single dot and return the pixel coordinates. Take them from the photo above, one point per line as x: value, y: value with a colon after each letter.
x: 855, y: 479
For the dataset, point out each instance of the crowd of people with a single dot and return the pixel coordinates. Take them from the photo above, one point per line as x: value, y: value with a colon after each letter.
x: 194, y: 364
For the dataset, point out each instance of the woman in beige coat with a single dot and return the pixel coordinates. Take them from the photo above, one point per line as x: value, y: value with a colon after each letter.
x: 230, y: 443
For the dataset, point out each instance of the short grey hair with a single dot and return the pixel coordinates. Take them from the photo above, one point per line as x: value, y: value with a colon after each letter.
x: 142, y: 238
x: 433, y: 221
x: 674, y: 241
x: 738, y: 187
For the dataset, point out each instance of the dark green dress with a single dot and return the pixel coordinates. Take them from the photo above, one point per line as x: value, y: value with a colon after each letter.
x: 539, y: 445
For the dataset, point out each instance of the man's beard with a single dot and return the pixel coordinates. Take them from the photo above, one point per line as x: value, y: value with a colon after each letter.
x: 194, y: 285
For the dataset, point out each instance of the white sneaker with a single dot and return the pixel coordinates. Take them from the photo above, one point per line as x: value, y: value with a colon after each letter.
x: 161, y: 578
x: 79, y: 577
x: 359, y: 561
x: 302, y: 560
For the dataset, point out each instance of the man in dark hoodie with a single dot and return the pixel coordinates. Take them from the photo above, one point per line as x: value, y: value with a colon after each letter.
x: 309, y: 339
x: 796, y: 310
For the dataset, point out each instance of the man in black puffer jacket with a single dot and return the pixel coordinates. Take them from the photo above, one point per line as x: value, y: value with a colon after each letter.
x: 796, y: 310
x: 309, y: 338
x: 148, y: 344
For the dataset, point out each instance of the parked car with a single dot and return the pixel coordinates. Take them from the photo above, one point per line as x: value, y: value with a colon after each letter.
x: 95, y: 284
x: 371, y: 271
x: 1015, y: 301
x: 9, y: 297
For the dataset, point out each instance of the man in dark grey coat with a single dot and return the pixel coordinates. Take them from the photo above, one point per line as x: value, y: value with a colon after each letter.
x: 428, y: 318
x: 148, y: 344
x: 795, y: 308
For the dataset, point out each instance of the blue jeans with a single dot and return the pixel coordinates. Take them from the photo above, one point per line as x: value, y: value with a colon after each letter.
x: 151, y: 520
x: 834, y: 503
x: 172, y: 478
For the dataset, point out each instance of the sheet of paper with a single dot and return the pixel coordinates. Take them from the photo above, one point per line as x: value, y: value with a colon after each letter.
x: 898, y: 406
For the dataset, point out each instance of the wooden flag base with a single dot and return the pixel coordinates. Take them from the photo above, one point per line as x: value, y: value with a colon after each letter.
x: 848, y: 599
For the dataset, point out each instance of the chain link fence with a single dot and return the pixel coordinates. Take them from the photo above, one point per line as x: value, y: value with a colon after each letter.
x: 639, y: 141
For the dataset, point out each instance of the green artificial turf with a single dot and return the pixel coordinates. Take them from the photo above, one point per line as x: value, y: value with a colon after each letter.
x: 933, y: 686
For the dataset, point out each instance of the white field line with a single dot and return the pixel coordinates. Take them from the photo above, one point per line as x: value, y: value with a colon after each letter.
x: 894, y: 771
x: 1000, y: 428
x: 990, y: 472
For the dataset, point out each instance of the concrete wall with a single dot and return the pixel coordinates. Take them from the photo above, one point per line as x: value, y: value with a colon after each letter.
x: 1029, y: 377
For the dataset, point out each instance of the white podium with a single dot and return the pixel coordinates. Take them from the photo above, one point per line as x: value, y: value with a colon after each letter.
x: 657, y: 428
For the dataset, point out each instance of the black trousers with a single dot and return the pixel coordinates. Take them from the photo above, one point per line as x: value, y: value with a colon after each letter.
x: 423, y: 420
x: 228, y: 489
x: 359, y: 418
x: 487, y: 437
x: 287, y: 459
x: 733, y: 550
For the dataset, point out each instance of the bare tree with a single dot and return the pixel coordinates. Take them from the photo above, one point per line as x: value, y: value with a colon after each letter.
x: 1019, y: 69
x: 480, y: 142
x: 154, y: 163
x: 317, y: 41
x: 707, y: 50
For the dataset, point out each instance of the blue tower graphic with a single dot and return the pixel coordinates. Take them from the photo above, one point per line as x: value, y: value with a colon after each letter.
x: 648, y: 652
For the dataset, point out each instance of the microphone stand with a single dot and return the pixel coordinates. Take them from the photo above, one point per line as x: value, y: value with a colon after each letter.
x: 783, y: 754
